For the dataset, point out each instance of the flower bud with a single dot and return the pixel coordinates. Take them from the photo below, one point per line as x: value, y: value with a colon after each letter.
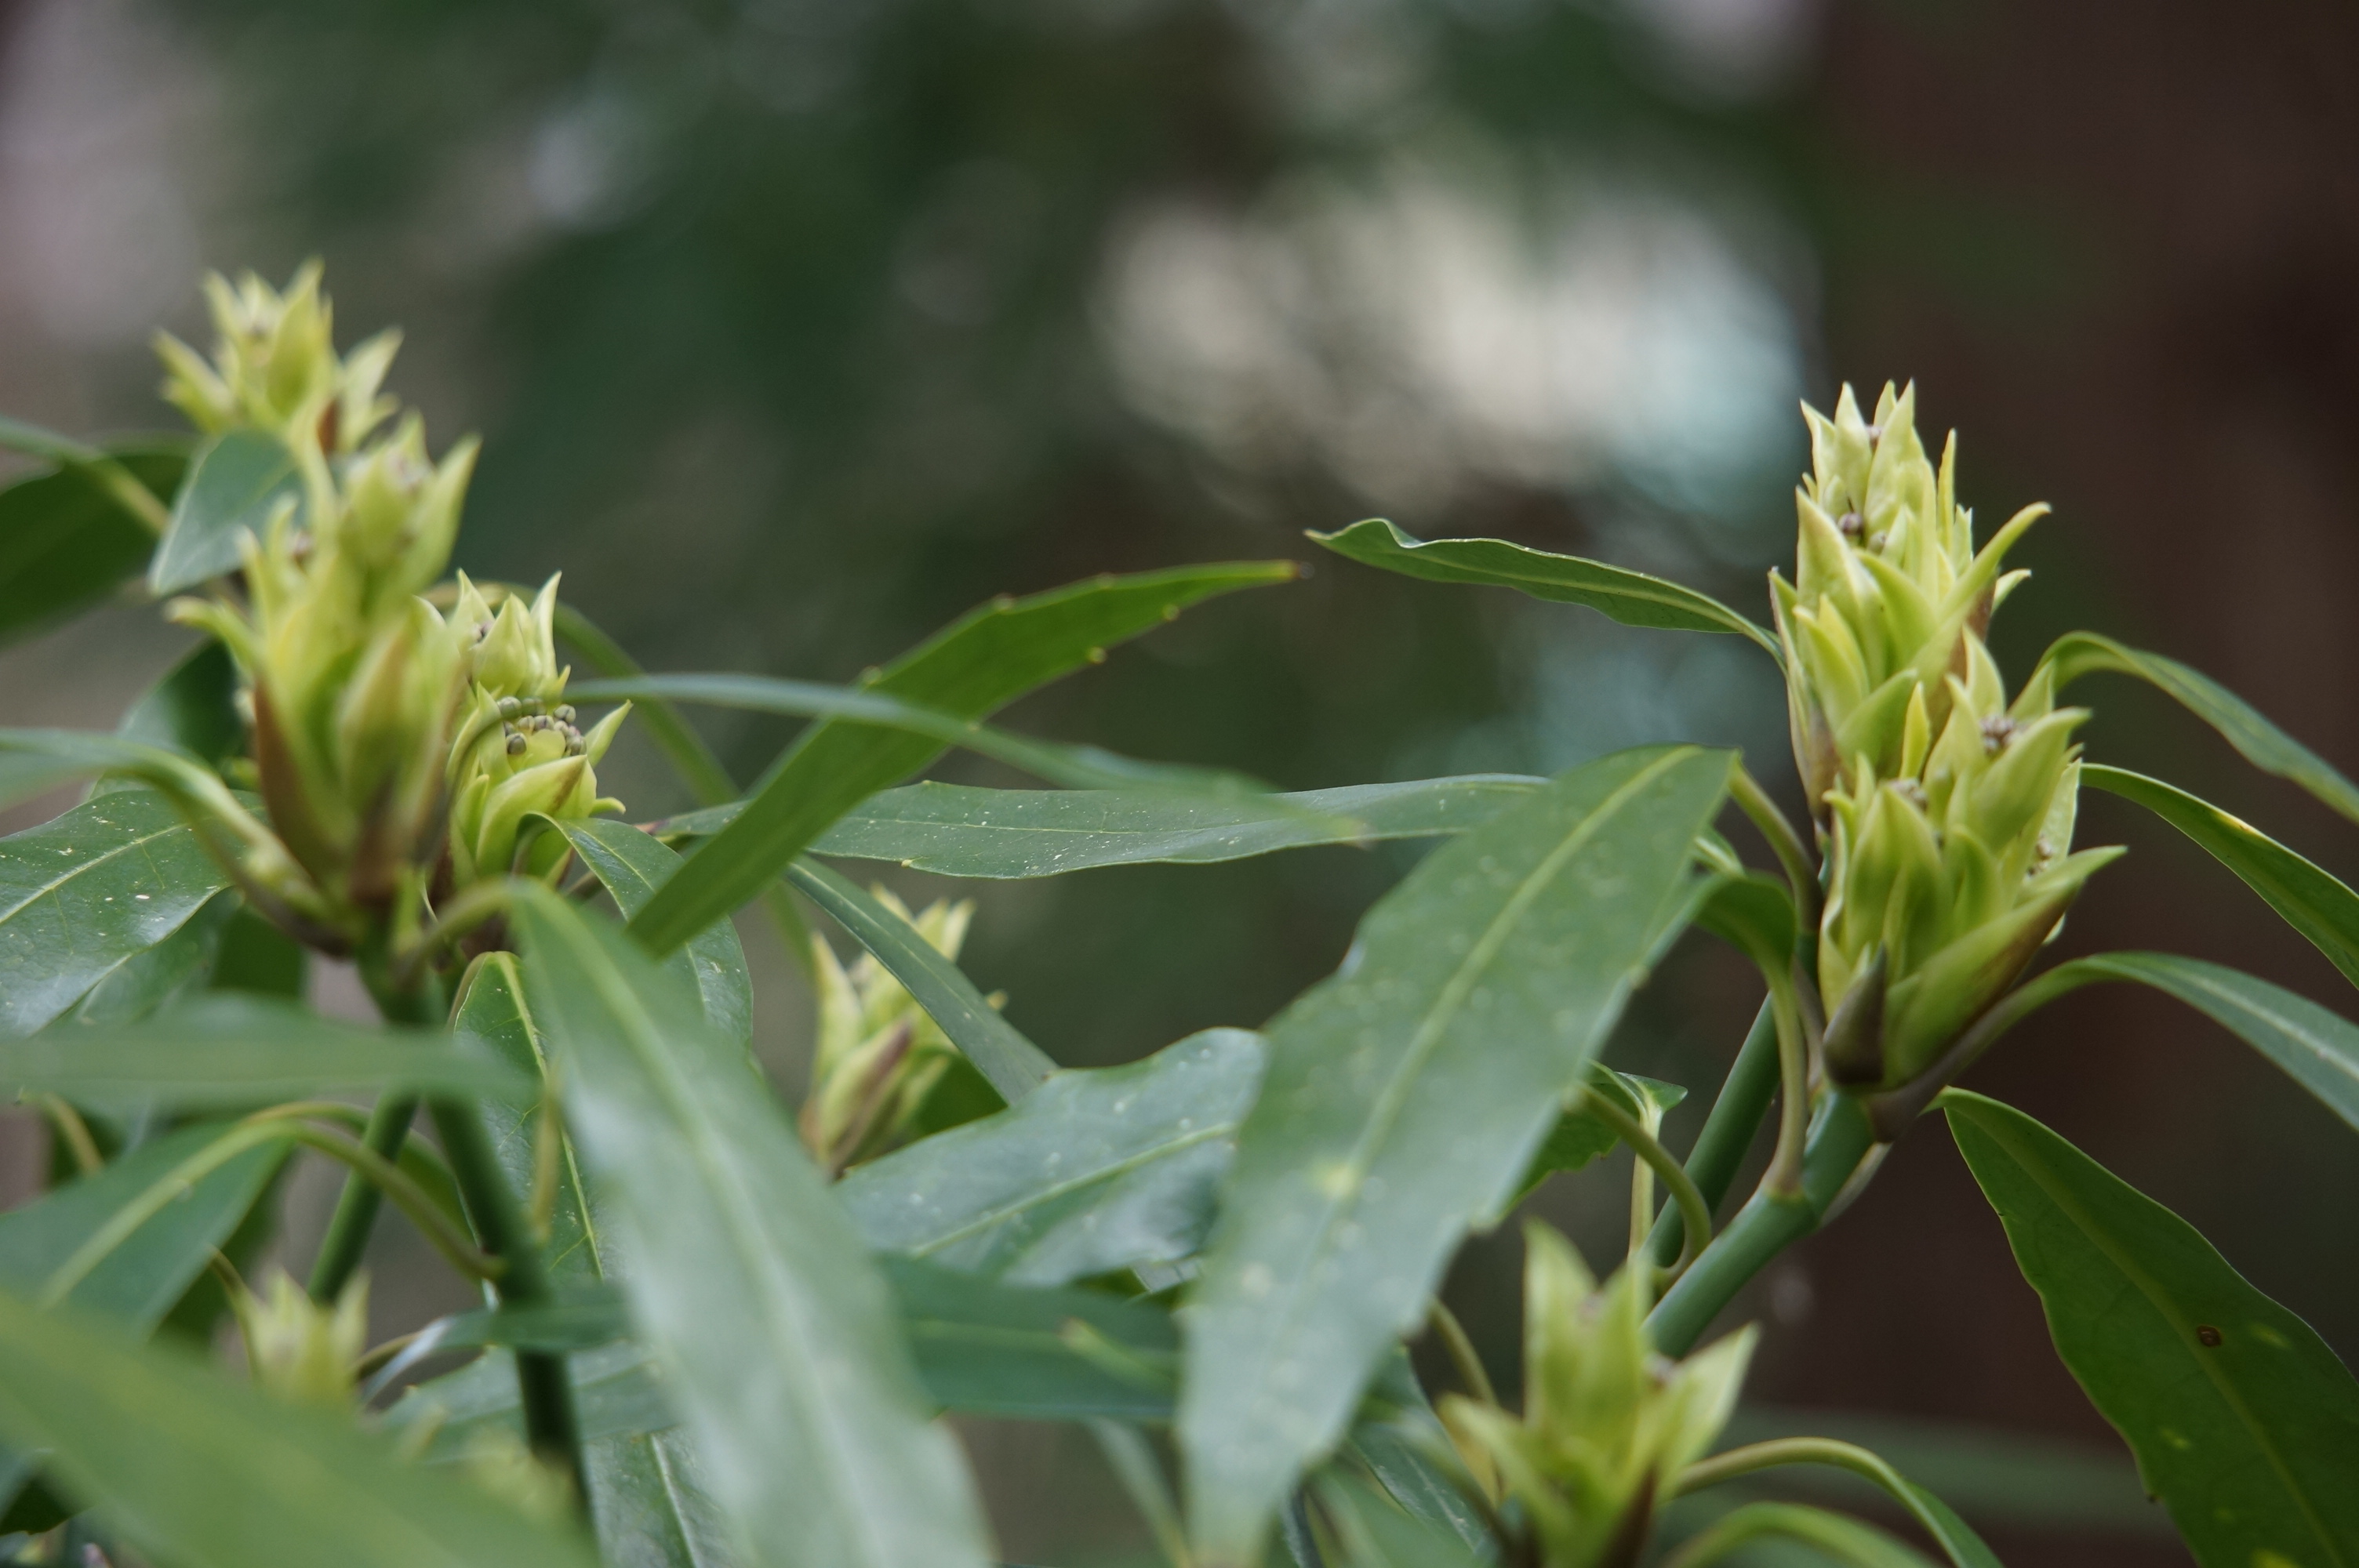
x: 275, y: 368
x: 878, y: 1053
x: 298, y: 1350
x: 1608, y: 1424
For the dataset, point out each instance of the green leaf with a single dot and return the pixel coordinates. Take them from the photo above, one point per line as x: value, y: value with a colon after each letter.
x: 1100, y: 1169
x: 630, y: 866
x: 956, y: 830
x: 237, y: 479
x: 1074, y: 767
x: 1632, y: 597
x: 646, y: 1507
x: 577, y: 1320
x: 990, y: 1349
x: 230, y: 1050
x: 197, y: 1469
x: 66, y: 542
x: 979, y: 663
x: 1581, y: 1136
x: 1013, y: 1065
x: 2260, y: 743
x: 1834, y: 1537
x: 1407, y: 1096
x: 773, y: 1329
x: 1377, y: 1533
x: 1755, y: 914
x: 2244, y: 1422
x: 83, y: 893
x: 179, y: 965
x: 1403, y: 1445
x: 137, y: 1283
x: 2318, y: 1049
x: 2314, y: 902
x: 193, y: 709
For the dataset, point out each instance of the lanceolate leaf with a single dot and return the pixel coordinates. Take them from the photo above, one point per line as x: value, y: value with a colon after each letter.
x: 773, y: 1329
x: 193, y: 707
x: 66, y: 542
x: 180, y: 965
x: 990, y: 1349
x: 196, y: 1469
x: 232, y: 1050
x: 2261, y: 743
x: 1632, y: 597
x: 1100, y: 1169
x: 630, y: 865
x: 981, y: 663
x: 960, y: 831
x: 646, y: 1509
x: 2244, y: 1422
x: 1013, y: 1065
x: 82, y: 894
x: 2314, y: 902
x: 1406, y: 1097
x: 236, y: 481
x: 137, y: 1283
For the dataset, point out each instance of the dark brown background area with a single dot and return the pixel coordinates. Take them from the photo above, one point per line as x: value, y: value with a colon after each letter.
x: 2117, y: 245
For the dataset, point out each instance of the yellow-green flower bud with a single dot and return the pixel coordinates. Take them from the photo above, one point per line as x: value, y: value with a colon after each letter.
x: 1888, y: 585
x: 275, y: 368
x: 878, y: 1053
x: 1609, y: 1423
x: 298, y: 1350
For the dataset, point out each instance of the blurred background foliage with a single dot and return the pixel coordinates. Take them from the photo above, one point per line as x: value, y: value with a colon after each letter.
x: 795, y: 326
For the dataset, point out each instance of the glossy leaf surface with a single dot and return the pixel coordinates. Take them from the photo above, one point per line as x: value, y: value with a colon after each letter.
x: 85, y: 893
x: 1013, y: 1065
x: 2260, y: 743
x: 979, y: 663
x: 201, y: 1470
x: 2314, y: 902
x: 236, y: 480
x: 232, y: 1050
x: 1405, y: 1097
x: 1632, y: 597
x: 1098, y: 1169
x: 137, y: 1283
x: 992, y: 1349
x: 775, y: 1332
x: 959, y: 832
x: 630, y: 866
x: 2244, y: 1422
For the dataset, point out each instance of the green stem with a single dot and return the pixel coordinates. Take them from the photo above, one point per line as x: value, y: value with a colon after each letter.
x: 1763, y: 1227
x: 1785, y: 1174
x: 1848, y: 1456
x: 401, y: 999
x: 1784, y: 843
x: 1462, y: 1359
x: 543, y: 1382
x: 1728, y: 1132
x: 1842, y: 1539
x: 1695, y: 1213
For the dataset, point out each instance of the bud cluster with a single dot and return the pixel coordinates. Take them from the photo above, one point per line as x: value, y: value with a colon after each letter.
x: 300, y: 1350
x: 1946, y: 810
x: 878, y: 1053
x: 378, y: 723
x: 1609, y: 1423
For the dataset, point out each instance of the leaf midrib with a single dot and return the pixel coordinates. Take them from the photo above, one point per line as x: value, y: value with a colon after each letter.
x: 1049, y: 1194
x: 49, y: 888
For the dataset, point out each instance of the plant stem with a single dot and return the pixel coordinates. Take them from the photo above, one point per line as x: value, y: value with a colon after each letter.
x: 1728, y: 1131
x: 1785, y: 1174
x: 1784, y: 843
x: 1766, y: 1226
x: 74, y: 1133
x: 543, y: 1383
x: 347, y: 1237
x: 1463, y: 1359
x: 1696, y: 1215
x: 1848, y: 1456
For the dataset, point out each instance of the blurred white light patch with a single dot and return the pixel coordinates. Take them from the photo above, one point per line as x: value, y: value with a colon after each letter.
x: 103, y: 126
x: 1422, y: 334
x: 1732, y: 49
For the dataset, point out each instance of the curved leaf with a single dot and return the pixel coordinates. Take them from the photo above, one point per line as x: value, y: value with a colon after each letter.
x: 956, y: 830
x: 1836, y: 1537
x: 1632, y: 597
x: 2318, y: 905
x: 976, y: 665
x: 1100, y: 1169
x: 1580, y: 1135
x: 1013, y: 1065
x: 82, y: 894
x: 2244, y: 1422
x: 773, y: 1329
x: 2260, y: 743
x: 66, y: 542
x: 193, y: 707
x: 195, y: 1468
x: 234, y: 1050
x: 991, y: 1348
x: 236, y: 480
x: 630, y: 866
x: 1406, y: 1097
